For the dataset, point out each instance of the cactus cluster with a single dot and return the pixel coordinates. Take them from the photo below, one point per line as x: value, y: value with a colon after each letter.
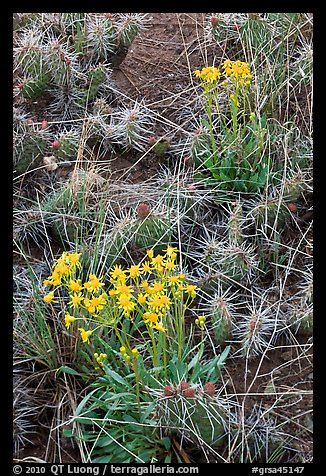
x: 65, y: 60
x: 300, y: 310
x: 194, y: 413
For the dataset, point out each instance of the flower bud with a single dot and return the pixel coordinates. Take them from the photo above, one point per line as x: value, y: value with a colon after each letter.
x: 292, y: 207
x: 168, y: 391
x: 143, y: 210
x: 189, y: 392
x: 184, y: 385
x: 214, y: 20
x: 209, y: 389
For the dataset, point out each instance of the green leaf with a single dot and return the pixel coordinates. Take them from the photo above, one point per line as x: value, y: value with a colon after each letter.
x: 68, y: 433
x: 67, y: 370
x: 115, y: 376
x: 225, y: 177
x: 82, y: 404
x: 262, y: 177
x: 102, y: 459
x: 240, y: 185
x: 195, y: 359
x: 105, y: 441
x: 149, y: 410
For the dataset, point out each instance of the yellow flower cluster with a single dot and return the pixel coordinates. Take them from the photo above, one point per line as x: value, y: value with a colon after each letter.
x: 200, y: 321
x: 64, y: 266
x: 209, y: 74
x: 100, y: 358
x: 151, y: 289
x: 127, y: 356
x: 238, y: 71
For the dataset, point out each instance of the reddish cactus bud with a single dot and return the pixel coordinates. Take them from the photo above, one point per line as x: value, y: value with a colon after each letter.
x: 108, y: 16
x: 209, y: 389
x: 236, y: 27
x: 192, y: 187
x: 168, y: 391
x: 215, y: 21
x: 29, y: 121
x: 21, y: 86
x: 252, y: 325
x: 143, y: 210
x: 184, y: 385
x: 152, y: 140
x: 189, y: 392
x: 56, y: 144
x: 44, y: 125
x: 292, y: 207
x: 67, y: 61
x: 187, y: 160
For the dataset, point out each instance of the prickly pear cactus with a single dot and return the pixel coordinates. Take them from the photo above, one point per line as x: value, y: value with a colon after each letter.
x: 271, y: 213
x: 62, y: 209
x: 194, y: 413
x: 151, y: 230
x: 65, y: 147
x: 35, y: 87
x: 29, y: 145
x: 223, y: 321
x: 301, y: 307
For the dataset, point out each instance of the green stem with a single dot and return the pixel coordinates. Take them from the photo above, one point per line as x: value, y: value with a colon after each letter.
x: 209, y: 97
x: 136, y: 371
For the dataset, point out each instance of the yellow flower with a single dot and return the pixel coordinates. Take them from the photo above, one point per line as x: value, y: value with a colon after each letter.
x: 146, y: 268
x: 158, y: 287
x: 149, y: 291
x: 173, y: 279
x: 150, y: 318
x: 134, y: 271
x: 156, y: 303
x: 123, y: 289
x: 63, y: 269
x: 123, y: 349
x: 135, y: 352
x: 141, y: 299
x: 96, y: 303
x: 75, y: 285
x: 166, y: 301
x: 85, y: 335
x: 49, y: 297
x: 170, y: 250
x: 234, y: 100
x: 55, y: 278
x: 73, y: 258
x: 118, y: 273
x: 126, y: 304
x: 209, y: 74
x: 157, y: 260
x: 93, y: 284
x: 150, y: 253
x: 238, y: 71
x: 170, y: 266
x: 191, y: 290
x: 69, y: 319
x: 159, y: 268
x: 159, y: 326
x: 76, y: 299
